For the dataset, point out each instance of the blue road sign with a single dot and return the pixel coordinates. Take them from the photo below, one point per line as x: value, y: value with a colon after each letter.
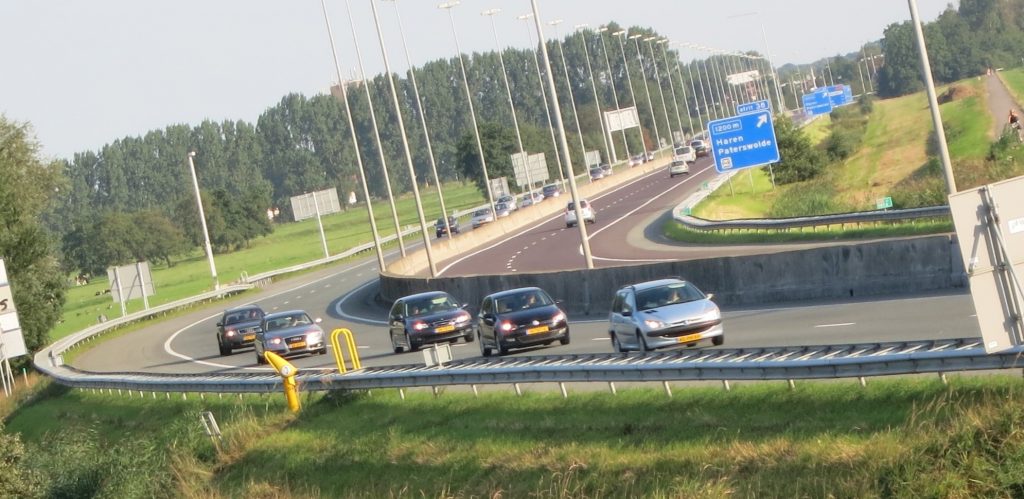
x: 838, y: 95
x: 817, y: 102
x: 848, y: 94
x: 750, y: 107
x: 743, y: 141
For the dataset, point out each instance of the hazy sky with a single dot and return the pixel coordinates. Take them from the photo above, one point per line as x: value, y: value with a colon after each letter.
x: 88, y: 73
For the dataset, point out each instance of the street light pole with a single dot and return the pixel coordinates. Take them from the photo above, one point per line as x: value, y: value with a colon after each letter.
x: 543, y: 96
x: 423, y: 122
x: 202, y: 220
x: 615, y: 93
x: 693, y: 90
x: 469, y: 99
x: 661, y: 91
x: 580, y: 223
x: 632, y: 95
x: 511, y: 105
x: 672, y: 87
x: 929, y: 85
x: 647, y: 91
x: 405, y: 143
x: 605, y: 135
x: 568, y: 86
x: 376, y: 133
x: 355, y: 145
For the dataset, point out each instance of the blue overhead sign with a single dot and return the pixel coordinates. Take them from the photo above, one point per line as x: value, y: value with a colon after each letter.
x: 839, y: 95
x: 817, y: 102
x: 750, y: 107
x: 743, y: 141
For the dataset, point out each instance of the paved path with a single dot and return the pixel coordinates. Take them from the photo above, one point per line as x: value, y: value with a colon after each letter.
x: 999, y: 103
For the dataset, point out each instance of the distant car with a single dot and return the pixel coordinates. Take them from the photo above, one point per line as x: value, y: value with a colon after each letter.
x: 596, y: 173
x: 607, y: 168
x: 551, y: 191
x: 289, y: 333
x: 440, y: 228
x: 530, y: 199
x: 570, y: 213
x: 685, y: 153
x: 649, y: 156
x: 700, y: 148
x: 509, y: 200
x: 678, y: 167
x: 663, y: 313
x: 502, y: 210
x: 636, y: 160
x: 519, y: 318
x: 237, y: 328
x: 481, y: 217
x: 431, y: 317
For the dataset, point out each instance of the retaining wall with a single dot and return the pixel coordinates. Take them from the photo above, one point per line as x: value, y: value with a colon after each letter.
x: 903, y: 266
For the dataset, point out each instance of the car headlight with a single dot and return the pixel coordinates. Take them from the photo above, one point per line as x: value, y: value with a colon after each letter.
x: 229, y: 333
x: 654, y: 324
x: 713, y: 315
x: 275, y: 341
x: 559, y: 317
x: 420, y: 325
x: 506, y: 326
x: 462, y: 318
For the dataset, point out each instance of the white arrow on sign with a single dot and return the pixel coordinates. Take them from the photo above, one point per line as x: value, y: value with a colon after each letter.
x: 762, y: 120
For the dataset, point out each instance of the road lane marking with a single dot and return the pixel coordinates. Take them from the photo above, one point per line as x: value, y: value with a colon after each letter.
x: 342, y: 314
x: 841, y: 324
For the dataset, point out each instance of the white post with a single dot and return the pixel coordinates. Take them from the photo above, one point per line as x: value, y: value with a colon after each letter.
x: 320, y: 224
x: 926, y: 69
x: 142, y: 282
x: 120, y: 292
x: 202, y: 219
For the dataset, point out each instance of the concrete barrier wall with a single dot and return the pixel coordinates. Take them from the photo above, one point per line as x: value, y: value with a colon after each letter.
x: 901, y: 266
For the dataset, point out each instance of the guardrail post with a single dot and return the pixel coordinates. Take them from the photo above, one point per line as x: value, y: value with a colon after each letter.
x: 792, y: 384
x: 434, y: 390
x: 725, y: 384
x: 611, y: 386
x: 668, y: 389
x: 561, y: 386
x: 475, y: 394
x: 863, y: 381
x: 942, y: 376
x: 401, y: 393
x: 519, y: 391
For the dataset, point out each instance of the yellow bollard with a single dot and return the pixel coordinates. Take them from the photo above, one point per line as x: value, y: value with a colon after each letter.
x: 339, y: 354
x: 287, y: 372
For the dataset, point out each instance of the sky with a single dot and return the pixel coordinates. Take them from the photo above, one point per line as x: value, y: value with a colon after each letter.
x: 84, y: 74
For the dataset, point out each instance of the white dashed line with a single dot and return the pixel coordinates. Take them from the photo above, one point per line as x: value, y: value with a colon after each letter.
x: 285, y: 303
x: 836, y: 325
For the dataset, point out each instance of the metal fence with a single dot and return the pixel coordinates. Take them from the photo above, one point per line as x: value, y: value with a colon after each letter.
x: 841, y: 219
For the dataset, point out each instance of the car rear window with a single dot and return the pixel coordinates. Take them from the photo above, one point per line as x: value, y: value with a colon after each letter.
x: 572, y: 206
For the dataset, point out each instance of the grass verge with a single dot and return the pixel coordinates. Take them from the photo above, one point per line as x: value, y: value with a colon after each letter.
x: 907, y: 437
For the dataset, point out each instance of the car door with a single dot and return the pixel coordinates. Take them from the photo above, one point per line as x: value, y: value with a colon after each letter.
x: 620, y: 325
x: 486, y: 321
x: 396, y: 323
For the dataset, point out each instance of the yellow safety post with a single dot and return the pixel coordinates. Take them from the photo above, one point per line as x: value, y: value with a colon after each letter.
x: 339, y: 355
x: 287, y: 372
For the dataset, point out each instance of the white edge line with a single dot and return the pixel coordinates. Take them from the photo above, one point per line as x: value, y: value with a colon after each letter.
x: 841, y: 324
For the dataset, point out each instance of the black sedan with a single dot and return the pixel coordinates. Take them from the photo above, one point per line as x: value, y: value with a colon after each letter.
x: 237, y: 328
x: 430, y: 317
x: 440, y: 228
x: 520, y: 318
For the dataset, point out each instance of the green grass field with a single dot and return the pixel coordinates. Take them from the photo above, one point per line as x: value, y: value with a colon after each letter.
x: 290, y: 244
x: 1014, y: 80
x: 894, y: 438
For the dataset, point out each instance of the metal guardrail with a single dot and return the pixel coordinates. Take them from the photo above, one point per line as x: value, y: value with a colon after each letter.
x: 776, y: 363
x: 701, y: 224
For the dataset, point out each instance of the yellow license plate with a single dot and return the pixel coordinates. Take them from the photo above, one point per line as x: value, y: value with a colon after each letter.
x: 249, y: 337
x: 690, y: 338
x: 445, y: 329
x: 536, y: 330
x: 297, y: 344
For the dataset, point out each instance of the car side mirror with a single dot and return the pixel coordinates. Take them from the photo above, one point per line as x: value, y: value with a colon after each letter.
x: 559, y: 302
x: 220, y: 324
x: 397, y: 317
x: 489, y: 319
x: 627, y: 313
x: 711, y: 296
x: 317, y: 320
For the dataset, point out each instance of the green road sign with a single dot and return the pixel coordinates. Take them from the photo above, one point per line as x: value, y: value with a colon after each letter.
x: 883, y: 203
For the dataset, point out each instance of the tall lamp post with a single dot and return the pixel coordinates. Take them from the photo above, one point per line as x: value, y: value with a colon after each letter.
x: 405, y: 143
x: 663, y: 43
x: 568, y: 86
x: 202, y: 220
x: 469, y: 99
x: 615, y: 93
x: 661, y: 91
x: 423, y: 122
x: 490, y: 13
x: 581, y: 224
x: 543, y: 95
x: 355, y: 145
x: 632, y: 95
x: 605, y: 136
x: 647, y: 90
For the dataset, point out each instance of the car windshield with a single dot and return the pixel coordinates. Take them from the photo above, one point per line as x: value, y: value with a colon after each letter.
x: 550, y: 188
x: 501, y: 206
x: 669, y: 294
x: 481, y: 213
x: 522, y: 301
x: 596, y: 170
x: 288, y: 321
x: 431, y: 305
x: 237, y: 316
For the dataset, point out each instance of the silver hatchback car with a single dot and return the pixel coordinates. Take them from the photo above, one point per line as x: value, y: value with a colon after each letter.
x: 661, y: 314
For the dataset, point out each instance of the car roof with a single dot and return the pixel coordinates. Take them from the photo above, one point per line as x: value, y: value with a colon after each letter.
x: 428, y: 294
x: 284, y: 313
x: 508, y: 292
x: 243, y: 307
x: 641, y: 286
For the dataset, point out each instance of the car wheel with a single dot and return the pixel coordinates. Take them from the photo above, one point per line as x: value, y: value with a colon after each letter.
x: 718, y: 340
x: 641, y: 343
x: 408, y: 340
x: 568, y: 226
x: 322, y: 351
x: 565, y: 339
x: 260, y: 360
x: 394, y: 346
x: 224, y: 350
x: 484, y: 349
x: 469, y: 338
x: 502, y: 349
x: 616, y: 346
